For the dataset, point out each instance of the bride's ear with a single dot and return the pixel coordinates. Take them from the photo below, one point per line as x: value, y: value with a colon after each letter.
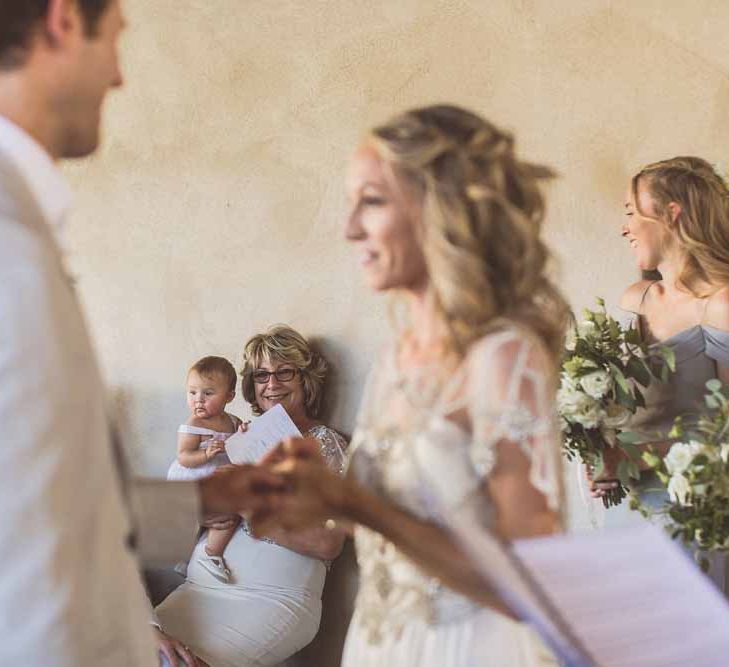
x: 674, y: 210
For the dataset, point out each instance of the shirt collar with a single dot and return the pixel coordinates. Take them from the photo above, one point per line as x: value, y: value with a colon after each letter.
x: 45, y: 181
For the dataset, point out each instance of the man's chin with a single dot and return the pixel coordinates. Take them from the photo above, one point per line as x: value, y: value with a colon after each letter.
x: 80, y: 144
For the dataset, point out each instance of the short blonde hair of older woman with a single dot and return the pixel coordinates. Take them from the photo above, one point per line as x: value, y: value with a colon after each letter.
x: 286, y: 345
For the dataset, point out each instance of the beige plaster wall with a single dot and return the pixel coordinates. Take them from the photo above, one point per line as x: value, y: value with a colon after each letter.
x: 214, y: 207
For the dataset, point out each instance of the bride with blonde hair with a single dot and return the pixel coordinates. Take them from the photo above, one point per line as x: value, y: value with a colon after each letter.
x: 458, y: 409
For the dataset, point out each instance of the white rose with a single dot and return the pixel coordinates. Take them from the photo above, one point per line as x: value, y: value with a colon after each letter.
x: 680, y: 455
x: 679, y: 489
x: 586, y: 329
x: 589, y: 415
x: 699, y: 489
x: 616, y: 415
x: 570, y: 398
x: 570, y: 340
x: 596, y: 384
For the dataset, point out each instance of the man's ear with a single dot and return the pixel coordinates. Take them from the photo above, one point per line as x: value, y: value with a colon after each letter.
x: 62, y: 22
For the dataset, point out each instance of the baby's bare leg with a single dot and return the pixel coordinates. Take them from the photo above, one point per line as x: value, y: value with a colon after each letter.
x: 218, y: 539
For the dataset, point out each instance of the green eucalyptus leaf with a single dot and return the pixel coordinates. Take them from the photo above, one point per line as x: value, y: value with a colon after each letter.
x: 631, y: 438
x: 669, y: 355
x: 712, y: 402
x: 636, y: 369
x: 677, y: 430
x: 652, y: 459
x: 714, y: 385
x: 624, y: 472
x: 620, y: 378
x: 632, y: 336
x: 633, y: 452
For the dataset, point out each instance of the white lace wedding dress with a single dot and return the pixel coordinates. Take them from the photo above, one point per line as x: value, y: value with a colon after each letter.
x: 410, y: 448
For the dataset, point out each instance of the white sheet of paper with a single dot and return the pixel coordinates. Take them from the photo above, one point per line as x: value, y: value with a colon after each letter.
x: 507, y: 576
x: 263, y: 433
x: 632, y: 597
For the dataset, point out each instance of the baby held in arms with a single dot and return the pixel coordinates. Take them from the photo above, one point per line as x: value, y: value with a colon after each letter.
x: 201, y: 443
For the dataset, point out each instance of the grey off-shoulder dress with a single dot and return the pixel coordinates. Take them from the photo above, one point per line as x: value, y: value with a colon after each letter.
x: 698, y: 350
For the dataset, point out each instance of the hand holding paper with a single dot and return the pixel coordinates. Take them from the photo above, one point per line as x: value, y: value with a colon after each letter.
x: 263, y: 433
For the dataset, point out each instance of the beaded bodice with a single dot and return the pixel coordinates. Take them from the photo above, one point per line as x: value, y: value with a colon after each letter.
x: 427, y: 443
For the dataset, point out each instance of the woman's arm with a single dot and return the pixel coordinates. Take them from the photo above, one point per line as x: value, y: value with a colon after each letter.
x: 314, y: 542
x: 317, y: 494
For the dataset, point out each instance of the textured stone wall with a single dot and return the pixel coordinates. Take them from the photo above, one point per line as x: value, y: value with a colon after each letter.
x: 215, y: 205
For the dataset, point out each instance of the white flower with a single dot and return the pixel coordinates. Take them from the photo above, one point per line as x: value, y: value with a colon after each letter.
x: 586, y: 329
x: 679, y: 489
x: 576, y: 406
x: 570, y: 340
x: 570, y: 397
x: 616, y: 415
x: 680, y: 456
x: 596, y: 384
x: 699, y: 489
x: 589, y: 415
x: 724, y: 452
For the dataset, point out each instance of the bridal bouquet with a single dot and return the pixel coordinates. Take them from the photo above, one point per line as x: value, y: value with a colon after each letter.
x: 603, y: 369
x: 696, y: 474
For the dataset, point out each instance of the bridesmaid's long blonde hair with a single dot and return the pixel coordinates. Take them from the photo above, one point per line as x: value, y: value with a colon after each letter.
x: 482, y: 216
x: 702, y: 226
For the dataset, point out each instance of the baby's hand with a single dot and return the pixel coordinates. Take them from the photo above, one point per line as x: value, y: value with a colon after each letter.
x: 244, y: 426
x: 214, y: 448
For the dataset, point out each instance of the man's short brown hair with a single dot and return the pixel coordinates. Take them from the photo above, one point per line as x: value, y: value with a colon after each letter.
x: 19, y: 19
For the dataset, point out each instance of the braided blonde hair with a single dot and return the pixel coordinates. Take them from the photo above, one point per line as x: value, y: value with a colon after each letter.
x: 482, y: 215
x: 702, y: 226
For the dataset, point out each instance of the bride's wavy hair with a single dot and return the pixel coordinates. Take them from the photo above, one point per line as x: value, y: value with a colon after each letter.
x: 482, y: 213
x: 702, y: 225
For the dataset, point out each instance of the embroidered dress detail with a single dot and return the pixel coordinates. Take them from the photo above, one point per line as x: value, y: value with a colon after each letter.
x: 427, y: 444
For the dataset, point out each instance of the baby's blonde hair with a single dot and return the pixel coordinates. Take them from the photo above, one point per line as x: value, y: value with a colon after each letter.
x: 702, y: 225
x: 208, y: 366
x: 482, y: 216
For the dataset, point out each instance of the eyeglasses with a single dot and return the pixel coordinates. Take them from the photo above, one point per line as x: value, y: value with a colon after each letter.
x: 261, y: 376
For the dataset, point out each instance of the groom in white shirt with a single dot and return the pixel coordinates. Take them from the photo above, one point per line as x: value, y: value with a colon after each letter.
x: 70, y: 592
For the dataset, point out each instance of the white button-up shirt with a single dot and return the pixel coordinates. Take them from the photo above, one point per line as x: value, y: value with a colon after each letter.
x: 70, y: 591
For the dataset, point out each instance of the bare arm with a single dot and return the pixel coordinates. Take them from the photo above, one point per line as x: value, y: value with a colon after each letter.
x: 189, y: 453
x: 314, y: 542
x: 319, y: 494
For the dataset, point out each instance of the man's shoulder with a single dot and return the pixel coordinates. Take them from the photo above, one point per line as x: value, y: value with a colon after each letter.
x: 21, y: 243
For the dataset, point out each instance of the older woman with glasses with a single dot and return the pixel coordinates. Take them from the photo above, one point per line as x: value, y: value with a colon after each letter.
x: 272, y: 607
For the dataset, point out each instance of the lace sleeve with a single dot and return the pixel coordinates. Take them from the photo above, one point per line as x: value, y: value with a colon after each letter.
x: 510, y: 397
x: 333, y: 447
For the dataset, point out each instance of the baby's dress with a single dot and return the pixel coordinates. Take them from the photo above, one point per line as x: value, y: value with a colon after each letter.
x: 178, y: 472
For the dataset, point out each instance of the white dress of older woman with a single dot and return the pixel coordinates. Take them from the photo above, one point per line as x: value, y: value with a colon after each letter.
x: 408, y: 449
x: 271, y: 609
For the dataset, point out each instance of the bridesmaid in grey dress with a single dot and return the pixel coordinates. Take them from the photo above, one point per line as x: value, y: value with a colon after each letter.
x: 677, y: 221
